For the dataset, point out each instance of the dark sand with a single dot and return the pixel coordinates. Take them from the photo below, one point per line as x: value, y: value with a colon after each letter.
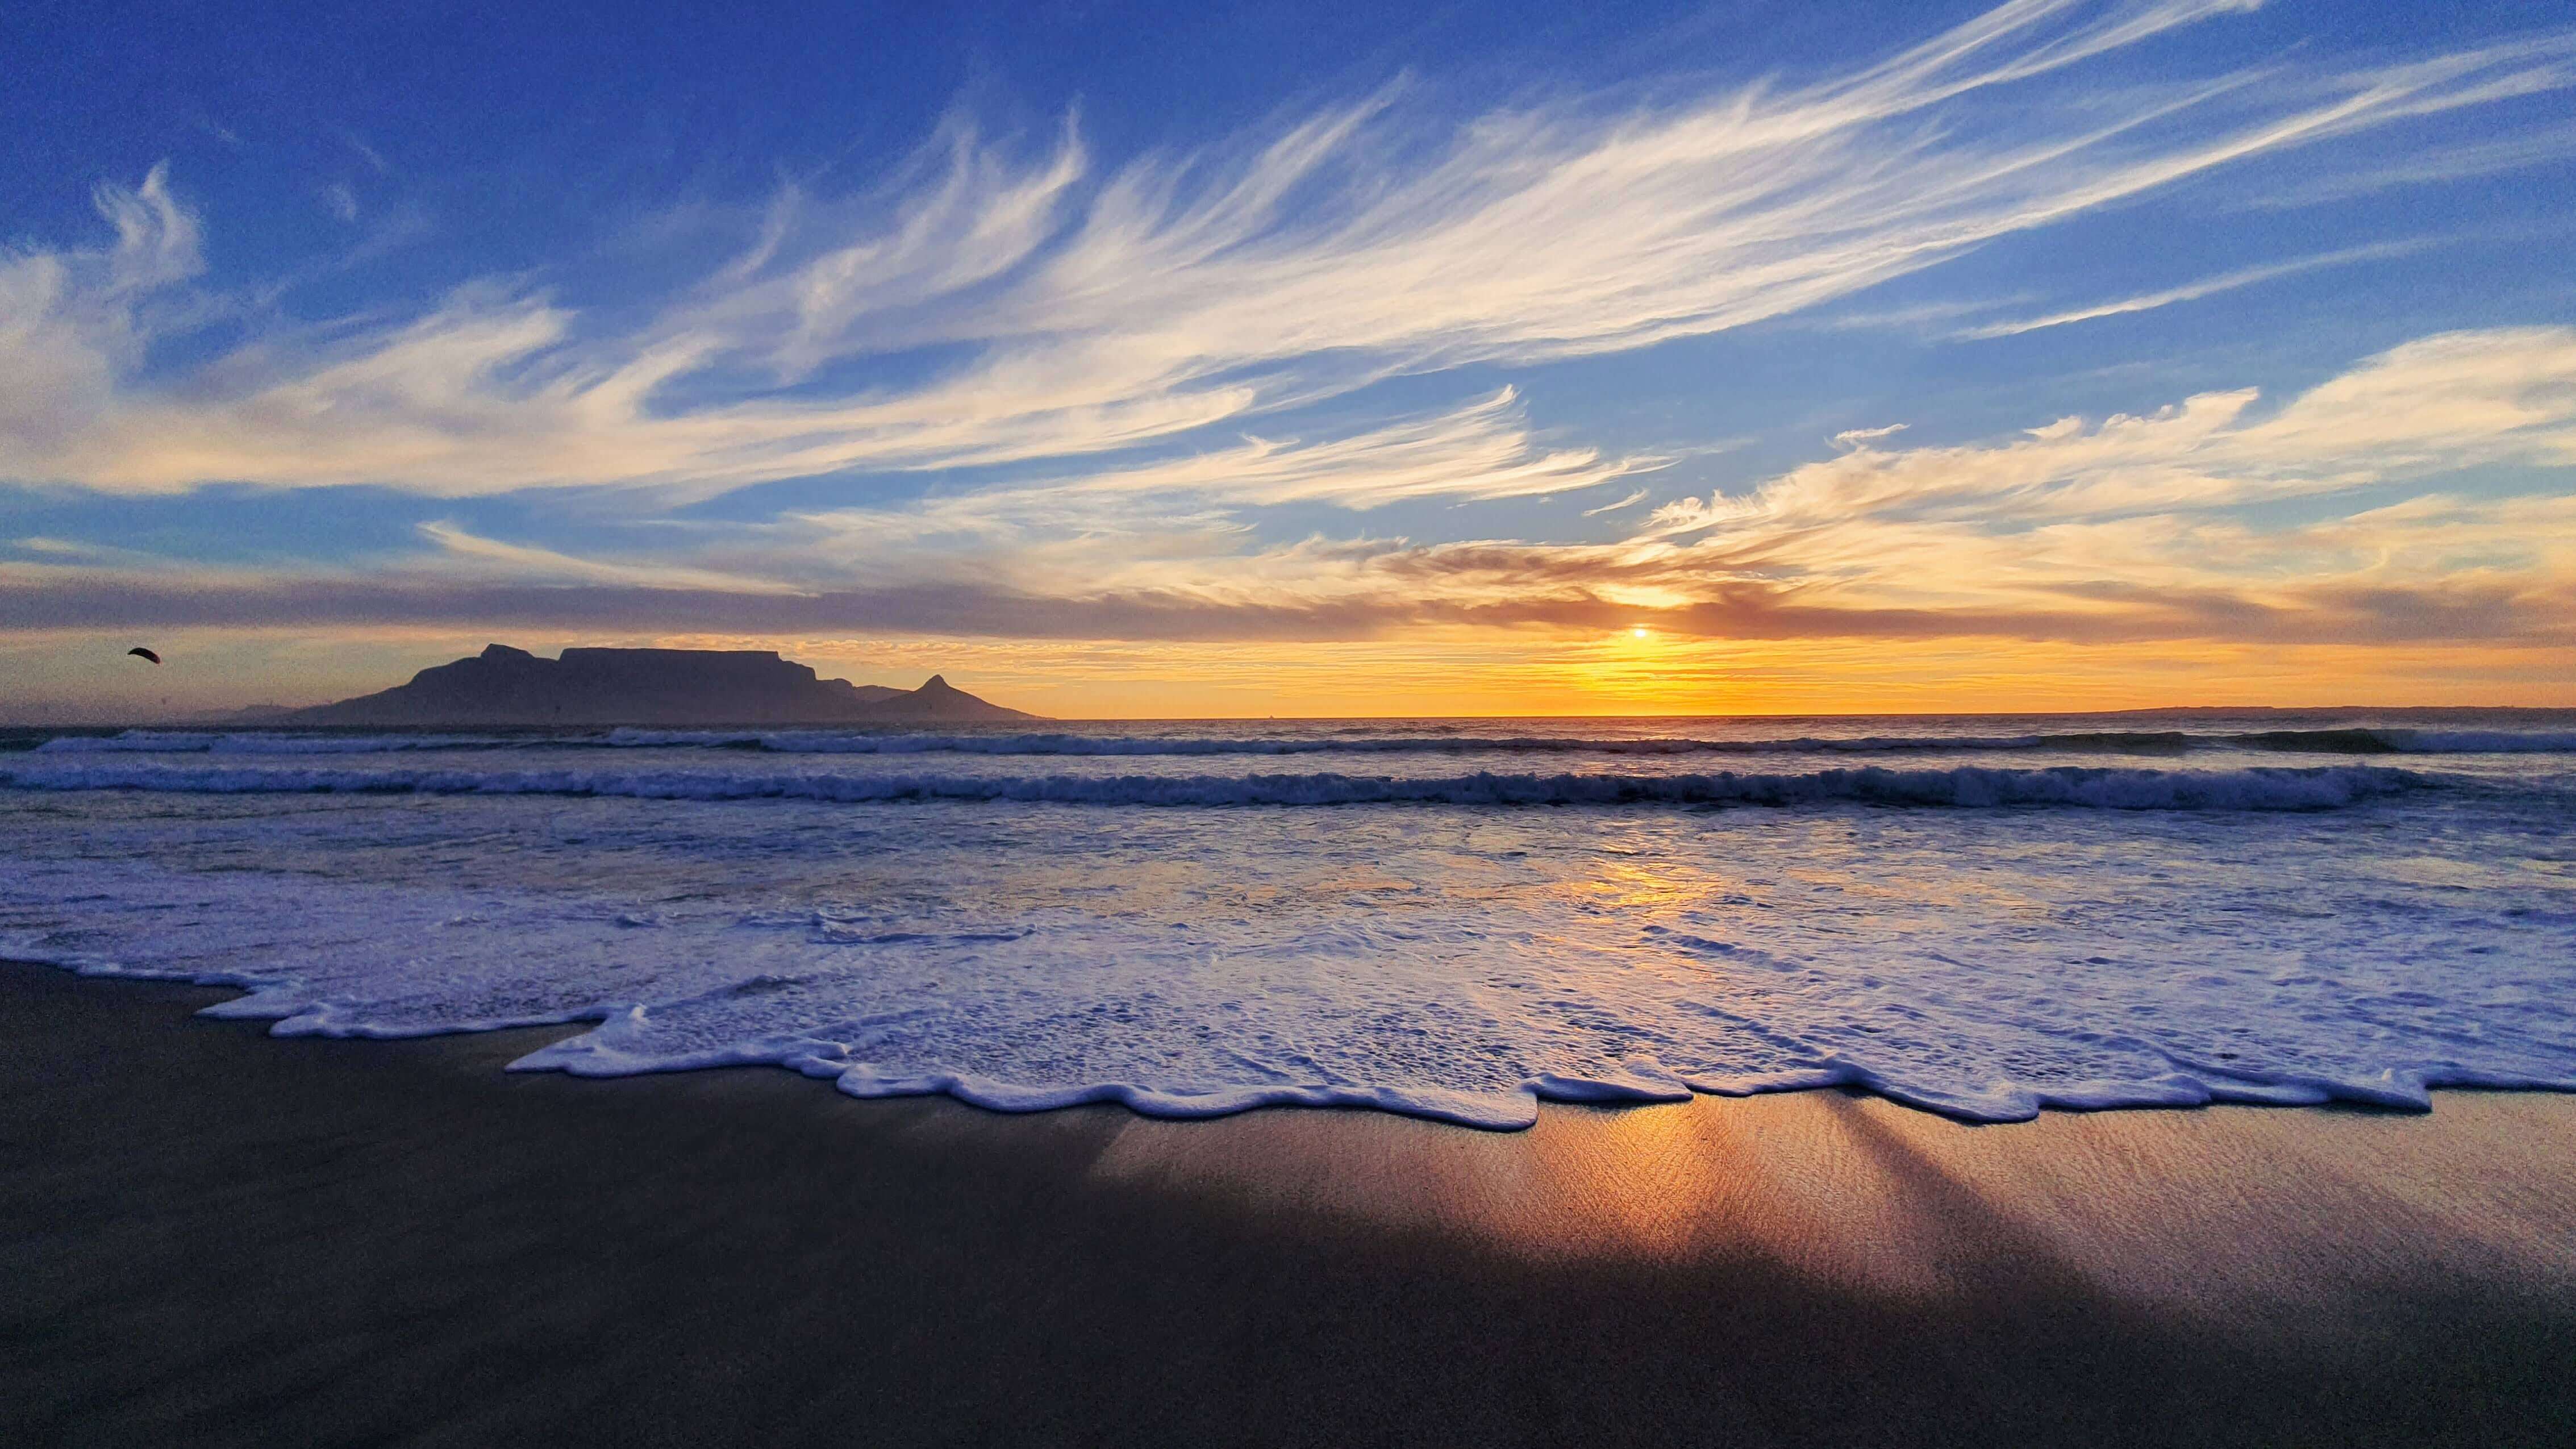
x: 207, y: 1236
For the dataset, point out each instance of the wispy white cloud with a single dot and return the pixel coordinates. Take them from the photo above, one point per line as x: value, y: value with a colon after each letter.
x: 1091, y: 312
x: 73, y: 324
x: 2193, y: 291
x: 2461, y: 161
x: 2140, y: 522
x: 1914, y: 316
x: 74, y: 549
x: 1482, y: 451
x: 2136, y: 527
x: 1631, y: 501
x: 2442, y: 403
x: 1101, y: 529
x: 375, y: 159
x: 491, y: 558
x: 1861, y: 437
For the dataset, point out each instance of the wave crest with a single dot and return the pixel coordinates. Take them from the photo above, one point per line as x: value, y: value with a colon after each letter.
x: 1967, y: 787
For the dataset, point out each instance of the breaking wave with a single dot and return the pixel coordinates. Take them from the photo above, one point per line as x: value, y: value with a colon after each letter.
x: 2323, y: 787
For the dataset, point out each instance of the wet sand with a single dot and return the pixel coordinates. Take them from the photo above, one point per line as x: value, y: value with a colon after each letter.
x: 209, y: 1236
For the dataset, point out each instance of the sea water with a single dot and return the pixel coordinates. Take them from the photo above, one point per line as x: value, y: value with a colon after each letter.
x: 1457, y: 919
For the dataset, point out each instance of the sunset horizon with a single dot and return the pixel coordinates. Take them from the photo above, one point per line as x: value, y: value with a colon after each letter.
x: 1608, y: 678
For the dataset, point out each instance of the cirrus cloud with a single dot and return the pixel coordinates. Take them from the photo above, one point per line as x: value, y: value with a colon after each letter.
x: 2154, y: 526
x: 1087, y: 310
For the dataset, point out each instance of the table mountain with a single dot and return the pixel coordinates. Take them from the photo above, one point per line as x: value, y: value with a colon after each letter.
x: 506, y: 686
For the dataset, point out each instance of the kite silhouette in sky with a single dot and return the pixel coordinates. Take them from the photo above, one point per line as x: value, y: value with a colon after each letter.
x: 139, y: 652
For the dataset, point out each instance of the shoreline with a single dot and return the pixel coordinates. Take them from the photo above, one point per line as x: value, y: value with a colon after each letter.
x: 221, y: 1236
x: 542, y: 1034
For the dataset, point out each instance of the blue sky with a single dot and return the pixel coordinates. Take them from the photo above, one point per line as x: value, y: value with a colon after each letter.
x: 1209, y: 359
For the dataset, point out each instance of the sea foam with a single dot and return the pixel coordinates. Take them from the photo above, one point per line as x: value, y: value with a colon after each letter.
x: 1977, y: 937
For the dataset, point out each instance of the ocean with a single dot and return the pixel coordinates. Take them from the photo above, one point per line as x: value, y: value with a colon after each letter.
x: 1980, y: 916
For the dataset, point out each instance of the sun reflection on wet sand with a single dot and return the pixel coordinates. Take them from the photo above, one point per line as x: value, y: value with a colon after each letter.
x: 2231, y: 1213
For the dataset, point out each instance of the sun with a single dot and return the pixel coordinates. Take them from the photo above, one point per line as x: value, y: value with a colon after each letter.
x: 1638, y: 632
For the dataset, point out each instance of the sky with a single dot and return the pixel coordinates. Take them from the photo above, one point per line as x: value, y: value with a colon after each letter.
x: 1789, y: 356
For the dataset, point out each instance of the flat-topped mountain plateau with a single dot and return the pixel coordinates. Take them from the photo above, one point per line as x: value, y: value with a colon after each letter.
x: 506, y: 686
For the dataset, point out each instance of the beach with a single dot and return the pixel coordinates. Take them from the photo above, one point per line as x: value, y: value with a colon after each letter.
x: 216, y: 1237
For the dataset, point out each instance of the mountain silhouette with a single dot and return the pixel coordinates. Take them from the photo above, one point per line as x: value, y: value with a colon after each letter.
x: 506, y: 686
